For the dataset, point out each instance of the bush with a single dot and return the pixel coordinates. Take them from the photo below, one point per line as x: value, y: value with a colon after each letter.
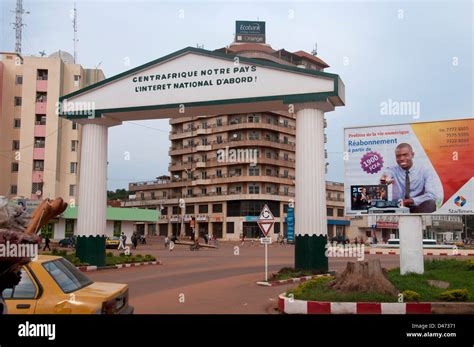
x: 110, y: 254
x: 455, y: 295
x: 307, y: 286
x: 122, y: 254
x: 54, y: 251
x: 410, y: 295
x: 149, y: 257
x: 470, y: 264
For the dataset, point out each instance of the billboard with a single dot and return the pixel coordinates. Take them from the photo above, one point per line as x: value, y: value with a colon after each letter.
x: 249, y: 31
x: 418, y: 168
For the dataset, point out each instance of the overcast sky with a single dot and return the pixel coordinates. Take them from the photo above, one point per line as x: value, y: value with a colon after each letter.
x: 401, y: 51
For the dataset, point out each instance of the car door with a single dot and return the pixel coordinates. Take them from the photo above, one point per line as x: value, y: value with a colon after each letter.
x: 22, y: 298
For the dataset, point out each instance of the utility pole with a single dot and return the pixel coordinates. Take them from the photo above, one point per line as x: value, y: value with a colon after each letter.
x: 18, y: 25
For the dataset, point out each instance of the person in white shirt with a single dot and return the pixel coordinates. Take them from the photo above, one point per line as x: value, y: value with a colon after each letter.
x: 413, y: 185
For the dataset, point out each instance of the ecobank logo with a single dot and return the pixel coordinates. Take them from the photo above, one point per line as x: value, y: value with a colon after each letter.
x: 37, y: 330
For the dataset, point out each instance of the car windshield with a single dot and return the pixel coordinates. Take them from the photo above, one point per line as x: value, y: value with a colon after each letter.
x: 66, y: 275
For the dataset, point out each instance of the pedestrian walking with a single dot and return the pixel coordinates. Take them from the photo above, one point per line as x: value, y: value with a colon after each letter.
x: 46, y: 243
x: 134, y: 240
x: 123, y: 239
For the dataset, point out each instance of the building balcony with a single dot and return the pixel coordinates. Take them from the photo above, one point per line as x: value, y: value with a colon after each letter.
x: 37, y: 176
x: 41, y: 85
x: 40, y: 107
x: 40, y: 130
x: 256, y: 143
x: 227, y: 126
x: 38, y: 153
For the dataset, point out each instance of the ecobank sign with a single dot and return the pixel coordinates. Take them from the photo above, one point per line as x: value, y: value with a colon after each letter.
x: 246, y: 31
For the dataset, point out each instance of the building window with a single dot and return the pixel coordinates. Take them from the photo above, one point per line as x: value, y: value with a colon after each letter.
x: 285, y: 173
x: 38, y: 165
x: 238, y: 189
x: 204, y: 175
x: 254, y: 171
x: 230, y: 227
x: 285, y: 140
x: 18, y: 79
x: 73, y: 167
x: 189, y: 209
x: 217, y: 208
x: 17, y: 101
x: 40, y: 119
x: 175, y: 210
x: 15, y: 145
x: 204, y: 124
x: 40, y: 142
x: 203, y: 191
x: 285, y: 156
x: 204, y: 141
x: 286, y: 191
x: 13, y: 189
x: 41, y: 97
x: 219, y: 122
x: 269, y: 190
x: 42, y: 75
x: 190, y: 175
x: 164, y: 194
x: 204, y: 158
x: 219, y: 139
x: 152, y: 195
x: 218, y: 190
x: 190, y: 158
x: 74, y: 145
x: 117, y: 228
x: 69, y: 229
x: 329, y: 211
x: 219, y: 173
x: 190, y: 192
x: 142, y: 196
x: 74, y: 126
x: 254, y: 189
x: 77, y: 78
x: 340, y: 212
x: 14, y: 167
x: 72, y: 190
x: 203, y: 208
x: 37, y: 188
x: 285, y: 208
x: 190, y: 143
x: 17, y: 123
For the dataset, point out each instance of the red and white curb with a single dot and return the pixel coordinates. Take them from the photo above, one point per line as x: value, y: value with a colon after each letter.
x: 451, y: 253
x: 292, y: 306
x: 118, y: 266
x: 290, y: 280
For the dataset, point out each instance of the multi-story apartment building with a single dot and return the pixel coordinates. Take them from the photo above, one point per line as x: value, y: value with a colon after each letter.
x: 227, y: 166
x: 39, y: 151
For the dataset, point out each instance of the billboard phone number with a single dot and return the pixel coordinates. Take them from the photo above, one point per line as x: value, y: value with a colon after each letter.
x: 457, y: 134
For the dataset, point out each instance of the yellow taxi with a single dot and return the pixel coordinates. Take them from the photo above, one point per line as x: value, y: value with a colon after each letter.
x: 112, y: 242
x: 52, y: 285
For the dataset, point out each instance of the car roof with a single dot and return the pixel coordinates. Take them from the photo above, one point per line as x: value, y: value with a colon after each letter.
x: 44, y: 258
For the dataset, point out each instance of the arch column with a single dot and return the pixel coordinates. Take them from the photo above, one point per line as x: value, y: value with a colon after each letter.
x: 310, y: 191
x: 92, y: 205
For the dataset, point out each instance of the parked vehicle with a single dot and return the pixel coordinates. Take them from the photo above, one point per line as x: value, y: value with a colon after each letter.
x: 52, y: 285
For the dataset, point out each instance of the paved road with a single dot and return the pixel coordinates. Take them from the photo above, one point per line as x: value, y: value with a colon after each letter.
x: 210, y: 280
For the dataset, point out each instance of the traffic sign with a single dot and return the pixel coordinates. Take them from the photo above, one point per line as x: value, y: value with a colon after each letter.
x: 266, y: 240
x: 266, y: 220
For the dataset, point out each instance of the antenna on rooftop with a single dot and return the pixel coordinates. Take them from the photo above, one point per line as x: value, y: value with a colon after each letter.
x: 315, y: 49
x: 18, y: 25
x: 74, y: 26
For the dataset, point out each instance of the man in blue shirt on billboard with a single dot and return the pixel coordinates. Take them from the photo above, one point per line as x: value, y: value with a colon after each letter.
x: 413, y: 186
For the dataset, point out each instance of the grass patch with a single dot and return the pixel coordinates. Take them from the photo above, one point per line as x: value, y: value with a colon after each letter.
x: 288, y: 272
x: 456, y: 272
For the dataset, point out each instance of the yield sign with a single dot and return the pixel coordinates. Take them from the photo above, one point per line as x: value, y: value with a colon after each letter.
x: 265, y: 220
